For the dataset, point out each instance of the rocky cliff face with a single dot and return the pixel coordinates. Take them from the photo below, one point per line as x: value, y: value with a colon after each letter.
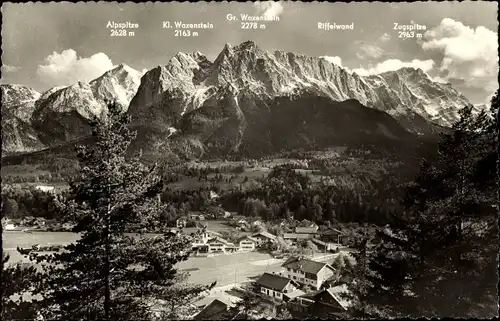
x: 19, y: 100
x: 246, y: 67
x: 18, y: 104
x: 408, y: 90
x: 226, y: 106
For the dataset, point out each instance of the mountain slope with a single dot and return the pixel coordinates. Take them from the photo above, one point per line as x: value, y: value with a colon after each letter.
x: 238, y: 124
x: 19, y: 100
x: 226, y: 106
x: 120, y: 84
x: 18, y: 134
x: 189, y: 79
x: 409, y: 89
x: 61, y: 114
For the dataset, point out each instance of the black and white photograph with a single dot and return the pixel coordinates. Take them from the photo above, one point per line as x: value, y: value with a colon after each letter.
x: 249, y: 160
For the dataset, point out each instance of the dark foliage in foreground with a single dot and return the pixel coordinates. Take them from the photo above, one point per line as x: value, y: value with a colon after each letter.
x: 440, y: 259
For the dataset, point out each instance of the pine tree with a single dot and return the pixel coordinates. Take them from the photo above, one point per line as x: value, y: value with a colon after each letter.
x: 14, y: 285
x: 439, y: 258
x: 109, y: 274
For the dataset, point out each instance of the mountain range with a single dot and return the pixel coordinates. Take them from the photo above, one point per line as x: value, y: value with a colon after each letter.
x: 248, y: 101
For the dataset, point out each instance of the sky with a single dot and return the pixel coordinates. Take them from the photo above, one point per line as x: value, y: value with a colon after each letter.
x: 58, y: 44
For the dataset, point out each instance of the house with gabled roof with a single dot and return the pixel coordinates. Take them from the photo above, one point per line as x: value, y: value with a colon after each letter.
x: 212, y: 311
x: 276, y: 286
x: 201, y: 235
x: 264, y: 237
x: 304, y: 231
x: 217, y: 309
x: 218, y: 245
x: 327, y: 303
x: 334, y: 235
x: 307, y: 271
x: 294, y: 237
x: 325, y: 246
x: 248, y: 243
x: 200, y: 242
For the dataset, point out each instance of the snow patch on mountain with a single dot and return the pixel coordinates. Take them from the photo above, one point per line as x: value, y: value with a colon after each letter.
x: 18, y: 105
x: 168, y: 93
x: 197, y: 99
x: 182, y: 79
x: 78, y: 97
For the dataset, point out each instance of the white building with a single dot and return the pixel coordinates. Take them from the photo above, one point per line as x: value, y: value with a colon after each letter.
x: 7, y: 224
x: 276, y: 286
x: 45, y: 188
x: 248, y: 243
x: 307, y: 271
x: 220, y: 245
x: 208, y: 242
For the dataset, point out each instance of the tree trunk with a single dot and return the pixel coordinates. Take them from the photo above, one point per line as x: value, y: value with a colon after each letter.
x: 107, y: 294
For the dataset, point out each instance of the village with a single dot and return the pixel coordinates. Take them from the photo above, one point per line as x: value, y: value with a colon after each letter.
x: 287, y: 263
x: 303, y: 273
x: 299, y: 268
x: 207, y: 242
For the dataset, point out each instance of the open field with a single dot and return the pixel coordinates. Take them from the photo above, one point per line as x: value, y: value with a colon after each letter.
x: 225, y: 269
x: 236, y: 268
x: 216, y: 226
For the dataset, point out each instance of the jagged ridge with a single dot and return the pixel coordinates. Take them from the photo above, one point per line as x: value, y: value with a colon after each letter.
x: 203, y: 101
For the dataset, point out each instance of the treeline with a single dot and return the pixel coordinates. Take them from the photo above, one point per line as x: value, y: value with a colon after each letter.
x: 440, y: 259
x: 192, y: 171
x: 41, y: 177
x: 19, y: 202
x: 52, y: 169
x: 286, y: 193
x: 180, y: 203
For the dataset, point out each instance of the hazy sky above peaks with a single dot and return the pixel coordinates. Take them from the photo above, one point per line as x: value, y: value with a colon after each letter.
x: 51, y: 44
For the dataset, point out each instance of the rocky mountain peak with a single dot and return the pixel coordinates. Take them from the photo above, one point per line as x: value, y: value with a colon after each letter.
x: 119, y: 84
x: 195, y: 95
x: 252, y: 69
x: 238, y: 53
x: 247, y: 45
x: 13, y: 93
